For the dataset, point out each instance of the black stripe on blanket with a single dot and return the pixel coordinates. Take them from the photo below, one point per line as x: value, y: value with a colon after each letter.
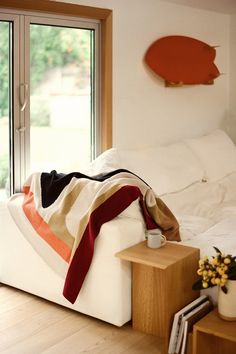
x: 53, y: 183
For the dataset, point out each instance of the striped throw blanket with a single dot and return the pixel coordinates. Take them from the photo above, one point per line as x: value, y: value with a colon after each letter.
x: 68, y: 210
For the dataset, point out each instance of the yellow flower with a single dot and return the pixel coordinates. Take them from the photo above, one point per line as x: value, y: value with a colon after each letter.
x: 204, y: 284
x: 215, y: 261
x: 200, y: 262
x: 227, y: 260
x: 221, y: 271
x: 215, y: 271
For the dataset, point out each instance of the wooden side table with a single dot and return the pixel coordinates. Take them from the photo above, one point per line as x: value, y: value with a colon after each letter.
x: 213, y: 335
x: 161, y: 285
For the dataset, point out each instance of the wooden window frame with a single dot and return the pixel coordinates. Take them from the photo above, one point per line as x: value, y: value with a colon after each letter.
x: 105, y: 18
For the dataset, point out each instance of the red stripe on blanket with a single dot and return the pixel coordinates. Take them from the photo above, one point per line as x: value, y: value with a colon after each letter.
x: 42, y: 228
x: 83, y: 255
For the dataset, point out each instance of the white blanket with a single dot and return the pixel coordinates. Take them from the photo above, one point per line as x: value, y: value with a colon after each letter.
x: 207, y: 215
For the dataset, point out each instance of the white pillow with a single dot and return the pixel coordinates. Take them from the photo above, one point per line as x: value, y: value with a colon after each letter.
x: 217, y: 154
x: 106, y: 162
x: 166, y: 169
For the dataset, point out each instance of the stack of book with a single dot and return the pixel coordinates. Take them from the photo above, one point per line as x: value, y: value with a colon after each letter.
x: 184, y: 321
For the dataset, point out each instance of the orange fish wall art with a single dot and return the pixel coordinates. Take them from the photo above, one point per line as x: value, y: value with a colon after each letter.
x: 182, y: 60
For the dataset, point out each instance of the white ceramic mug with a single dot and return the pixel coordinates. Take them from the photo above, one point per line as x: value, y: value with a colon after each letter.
x: 155, y: 239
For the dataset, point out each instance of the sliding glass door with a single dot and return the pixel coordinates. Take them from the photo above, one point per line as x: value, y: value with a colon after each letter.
x: 49, y: 96
x: 5, y: 107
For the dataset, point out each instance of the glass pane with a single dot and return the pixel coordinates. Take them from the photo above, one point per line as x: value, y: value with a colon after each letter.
x: 5, y: 28
x: 60, y: 98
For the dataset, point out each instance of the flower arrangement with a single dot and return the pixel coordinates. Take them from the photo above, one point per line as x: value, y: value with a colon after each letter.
x: 216, y: 271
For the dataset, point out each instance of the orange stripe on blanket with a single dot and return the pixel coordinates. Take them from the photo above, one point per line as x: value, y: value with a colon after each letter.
x: 42, y: 228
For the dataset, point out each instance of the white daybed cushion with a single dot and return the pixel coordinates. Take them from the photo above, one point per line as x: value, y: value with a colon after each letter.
x: 106, y: 292
x: 216, y: 152
x: 106, y: 162
x: 166, y: 169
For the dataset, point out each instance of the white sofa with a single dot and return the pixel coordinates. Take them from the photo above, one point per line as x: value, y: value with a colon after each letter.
x: 196, y: 178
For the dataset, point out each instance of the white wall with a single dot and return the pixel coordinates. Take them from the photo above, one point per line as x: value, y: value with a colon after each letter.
x: 144, y: 111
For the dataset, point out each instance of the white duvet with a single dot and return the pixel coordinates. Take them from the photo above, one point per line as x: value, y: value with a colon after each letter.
x: 207, y: 215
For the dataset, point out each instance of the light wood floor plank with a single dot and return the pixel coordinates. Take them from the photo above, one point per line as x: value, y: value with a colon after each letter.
x: 93, y: 336
x: 30, y: 325
x: 47, y: 337
x: 11, y: 299
x: 23, y: 311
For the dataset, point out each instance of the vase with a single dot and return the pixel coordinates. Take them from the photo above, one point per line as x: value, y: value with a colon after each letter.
x: 227, y: 302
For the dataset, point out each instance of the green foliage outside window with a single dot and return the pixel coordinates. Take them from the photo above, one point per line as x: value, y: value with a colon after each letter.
x: 4, y: 170
x: 4, y: 69
x: 57, y: 48
x: 50, y: 47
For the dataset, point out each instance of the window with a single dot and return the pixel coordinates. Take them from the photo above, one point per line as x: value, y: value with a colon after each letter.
x: 64, y: 114
x: 50, y: 95
x: 5, y: 107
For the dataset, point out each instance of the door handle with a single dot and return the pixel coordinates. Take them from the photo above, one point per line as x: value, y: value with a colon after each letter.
x: 23, y: 96
x: 20, y: 130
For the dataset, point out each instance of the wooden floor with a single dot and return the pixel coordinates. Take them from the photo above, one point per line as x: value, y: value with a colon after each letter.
x: 30, y: 325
